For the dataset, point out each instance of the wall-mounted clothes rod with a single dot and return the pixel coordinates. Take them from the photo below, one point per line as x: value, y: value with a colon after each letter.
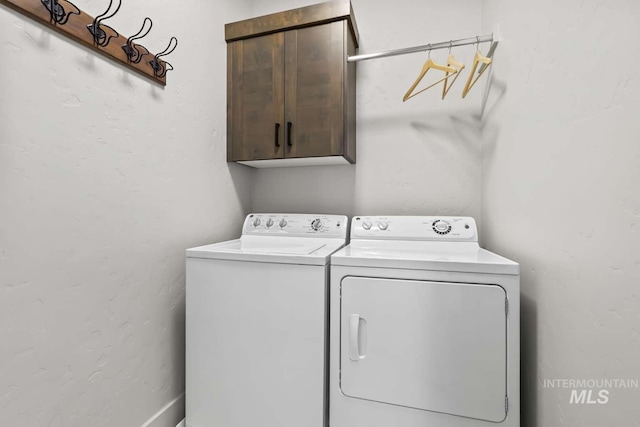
x: 425, y: 48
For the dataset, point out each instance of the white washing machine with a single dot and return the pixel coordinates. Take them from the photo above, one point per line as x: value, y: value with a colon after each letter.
x: 256, y: 323
x: 424, y: 327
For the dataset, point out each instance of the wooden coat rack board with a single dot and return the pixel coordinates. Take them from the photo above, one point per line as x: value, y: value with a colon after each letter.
x: 75, y: 24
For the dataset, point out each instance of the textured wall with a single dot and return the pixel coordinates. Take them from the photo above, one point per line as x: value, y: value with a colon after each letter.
x: 105, y: 179
x: 561, y: 169
x: 417, y: 157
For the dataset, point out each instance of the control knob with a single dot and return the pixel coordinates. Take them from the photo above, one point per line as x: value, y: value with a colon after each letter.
x: 282, y: 223
x: 269, y: 223
x: 316, y: 224
x: 366, y: 225
x: 383, y: 225
x: 257, y: 222
x: 441, y: 227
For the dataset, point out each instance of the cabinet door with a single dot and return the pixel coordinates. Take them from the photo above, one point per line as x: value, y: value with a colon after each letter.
x: 314, y: 85
x: 431, y: 346
x: 255, y: 101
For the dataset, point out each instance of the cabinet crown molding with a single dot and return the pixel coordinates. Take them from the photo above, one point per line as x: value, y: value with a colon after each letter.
x: 316, y: 14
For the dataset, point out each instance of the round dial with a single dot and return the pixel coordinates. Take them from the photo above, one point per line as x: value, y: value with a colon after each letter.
x: 316, y: 224
x: 269, y: 223
x: 257, y: 222
x: 366, y: 225
x: 282, y: 223
x: 383, y: 225
x: 441, y: 227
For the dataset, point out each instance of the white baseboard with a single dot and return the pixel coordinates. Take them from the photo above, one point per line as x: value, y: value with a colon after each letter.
x: 171, y: 414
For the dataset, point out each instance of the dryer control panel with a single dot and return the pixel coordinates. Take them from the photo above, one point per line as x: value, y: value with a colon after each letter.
x: 296, y: 225
x: 434, y: 228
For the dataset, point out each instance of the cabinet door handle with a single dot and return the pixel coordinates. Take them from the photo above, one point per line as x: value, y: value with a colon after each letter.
x: 289, y: 124
x: 277, y: 134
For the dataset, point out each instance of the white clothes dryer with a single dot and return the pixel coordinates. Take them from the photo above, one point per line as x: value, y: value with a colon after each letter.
x: 424, y: 327
x: 256, y: 323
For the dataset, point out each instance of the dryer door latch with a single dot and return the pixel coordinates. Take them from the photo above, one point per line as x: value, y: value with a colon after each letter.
x: 357, y: 338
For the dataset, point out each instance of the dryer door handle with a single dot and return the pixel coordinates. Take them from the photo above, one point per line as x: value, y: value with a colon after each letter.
x: 357, y: 338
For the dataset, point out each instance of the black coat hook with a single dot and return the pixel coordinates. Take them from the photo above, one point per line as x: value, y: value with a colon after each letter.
x: 60, y: 10
x: 135, y: 52
x: 99, y: 31
x: 159, y: 69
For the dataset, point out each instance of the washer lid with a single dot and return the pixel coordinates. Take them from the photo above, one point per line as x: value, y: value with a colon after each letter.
x: 279, y: 250
x: 424, y: 255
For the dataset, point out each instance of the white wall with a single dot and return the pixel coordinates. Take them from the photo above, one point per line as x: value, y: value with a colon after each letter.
x: 418, y: 157
x: 561, y: 170
x: 556, y: 181
x: 105, y: 179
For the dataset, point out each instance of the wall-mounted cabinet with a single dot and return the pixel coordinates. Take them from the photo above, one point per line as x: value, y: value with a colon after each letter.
x: 290, y: 89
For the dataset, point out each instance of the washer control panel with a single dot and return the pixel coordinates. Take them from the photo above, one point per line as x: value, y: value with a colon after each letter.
x: 296, y: 225
x: 437, y: 228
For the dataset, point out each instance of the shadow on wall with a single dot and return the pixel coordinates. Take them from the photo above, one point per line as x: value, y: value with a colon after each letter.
x: 43, y: 41
x: 528, y: 361
x: 179, y: 323
x: 400, y: 154
x: 492, y: 98
x: 459, y: 127
x: 241, y: 177
x: 310, y: 189
x: 456, y: 139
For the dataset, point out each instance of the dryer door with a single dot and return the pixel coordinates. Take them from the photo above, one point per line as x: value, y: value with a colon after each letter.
x: 431, y: 346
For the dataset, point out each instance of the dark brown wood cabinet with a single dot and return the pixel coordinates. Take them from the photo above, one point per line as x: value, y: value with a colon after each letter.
x: 290, y: 89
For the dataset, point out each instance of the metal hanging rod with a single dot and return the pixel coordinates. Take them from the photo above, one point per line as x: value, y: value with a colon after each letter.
x: 423, y: 48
